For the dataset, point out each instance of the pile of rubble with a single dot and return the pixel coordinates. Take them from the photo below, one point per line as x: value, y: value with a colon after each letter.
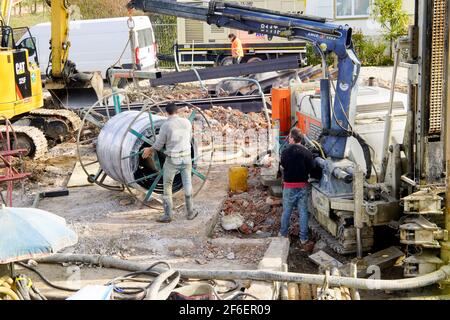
x: 208, y: 251
x: 228, y: 120
x: 253, y: 213
x: 180, y: 92
x: 232, y: 128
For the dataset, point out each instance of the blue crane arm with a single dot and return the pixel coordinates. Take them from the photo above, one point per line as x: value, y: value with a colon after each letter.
x: 324, y: 36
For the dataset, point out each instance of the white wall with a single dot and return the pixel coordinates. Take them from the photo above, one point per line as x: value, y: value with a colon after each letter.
x: 369, y: 27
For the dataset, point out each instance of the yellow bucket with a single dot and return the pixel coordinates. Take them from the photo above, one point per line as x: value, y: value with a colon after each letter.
x: 238, y: 179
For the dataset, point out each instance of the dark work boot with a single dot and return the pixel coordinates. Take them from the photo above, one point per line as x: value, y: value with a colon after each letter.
x: 164, y: 218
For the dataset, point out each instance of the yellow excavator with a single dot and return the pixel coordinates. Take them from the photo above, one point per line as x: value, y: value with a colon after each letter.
x: 21, y: 84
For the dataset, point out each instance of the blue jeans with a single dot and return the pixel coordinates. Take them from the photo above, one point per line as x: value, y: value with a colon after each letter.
x: 295, y: 197
x: 173, y: 166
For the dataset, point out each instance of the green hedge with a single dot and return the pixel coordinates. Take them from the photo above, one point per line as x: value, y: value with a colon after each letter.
x: 370, y: 51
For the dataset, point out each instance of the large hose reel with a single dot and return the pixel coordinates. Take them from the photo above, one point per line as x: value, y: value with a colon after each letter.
x: 123, y: 134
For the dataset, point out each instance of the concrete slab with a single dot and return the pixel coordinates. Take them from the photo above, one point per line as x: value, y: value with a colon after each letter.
x: 273, y: 260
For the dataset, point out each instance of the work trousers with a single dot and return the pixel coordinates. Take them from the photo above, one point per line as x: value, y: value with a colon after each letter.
x: 173, y: 166
x: 295, y: 197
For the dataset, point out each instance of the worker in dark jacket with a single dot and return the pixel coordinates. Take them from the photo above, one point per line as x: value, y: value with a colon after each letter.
x: 298, y: 164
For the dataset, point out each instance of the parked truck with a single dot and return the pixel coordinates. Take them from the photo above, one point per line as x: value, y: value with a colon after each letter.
x: 203, y: 44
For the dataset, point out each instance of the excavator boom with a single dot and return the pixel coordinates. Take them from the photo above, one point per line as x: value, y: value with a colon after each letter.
x: 67, y: 85
x: 5, y: 10
x: 60, y: 37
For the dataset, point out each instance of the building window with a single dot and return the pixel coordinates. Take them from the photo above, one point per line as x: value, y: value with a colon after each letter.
x: 352, y: 8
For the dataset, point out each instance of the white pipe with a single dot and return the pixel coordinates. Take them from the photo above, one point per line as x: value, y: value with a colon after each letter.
x: 260, y: 275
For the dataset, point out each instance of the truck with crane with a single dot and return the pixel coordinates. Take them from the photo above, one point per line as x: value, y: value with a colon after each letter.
x: 200, y: 44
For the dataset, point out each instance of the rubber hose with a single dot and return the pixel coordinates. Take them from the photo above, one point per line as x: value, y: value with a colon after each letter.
x: 260, y: 275
x: 9, y: 293
x: 46, y: 279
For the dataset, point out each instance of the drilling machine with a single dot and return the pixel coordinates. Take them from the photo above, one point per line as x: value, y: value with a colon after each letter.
x: 346, y: 202
x: 424, y: 183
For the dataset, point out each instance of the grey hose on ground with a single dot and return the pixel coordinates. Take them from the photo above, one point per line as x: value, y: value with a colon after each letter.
x: 260, y: 275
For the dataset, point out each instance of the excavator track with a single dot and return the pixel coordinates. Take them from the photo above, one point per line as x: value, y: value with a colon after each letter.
x: 345, y: 243
x: 67, y: 115
x: 35, y: 136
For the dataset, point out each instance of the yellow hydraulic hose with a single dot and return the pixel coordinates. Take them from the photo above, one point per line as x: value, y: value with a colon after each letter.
x: 5, y: 288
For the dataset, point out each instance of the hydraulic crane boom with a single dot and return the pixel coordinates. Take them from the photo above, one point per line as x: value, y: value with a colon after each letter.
x: 324, y: 36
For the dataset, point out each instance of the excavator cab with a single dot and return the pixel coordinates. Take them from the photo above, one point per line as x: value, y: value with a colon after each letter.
x: 20, y: 80
x: 21, y: 96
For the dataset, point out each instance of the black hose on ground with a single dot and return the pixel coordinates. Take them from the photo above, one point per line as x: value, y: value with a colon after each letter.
x: 45, y: 279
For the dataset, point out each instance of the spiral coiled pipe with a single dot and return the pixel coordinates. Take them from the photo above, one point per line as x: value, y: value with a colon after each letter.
x: 118, y: 149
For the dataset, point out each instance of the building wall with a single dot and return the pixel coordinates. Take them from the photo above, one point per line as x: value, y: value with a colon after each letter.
x: 365, y: 24
x: 199, y: 32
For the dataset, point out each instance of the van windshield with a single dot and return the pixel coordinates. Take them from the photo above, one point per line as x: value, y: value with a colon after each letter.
x: 145, y: 38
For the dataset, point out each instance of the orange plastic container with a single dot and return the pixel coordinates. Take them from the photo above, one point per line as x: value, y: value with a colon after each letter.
x: 281, y: 109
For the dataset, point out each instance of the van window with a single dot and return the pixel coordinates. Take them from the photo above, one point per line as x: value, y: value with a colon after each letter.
x: 145, y: 38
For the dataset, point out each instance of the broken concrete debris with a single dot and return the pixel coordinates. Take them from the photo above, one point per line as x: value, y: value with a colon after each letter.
x: 232, y: 222
x: 261, y: 212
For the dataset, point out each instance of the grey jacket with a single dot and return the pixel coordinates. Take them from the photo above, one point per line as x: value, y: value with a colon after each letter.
x: 176, y: 135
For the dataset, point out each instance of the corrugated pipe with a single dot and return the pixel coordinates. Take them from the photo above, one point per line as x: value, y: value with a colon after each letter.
x: 260, y: 275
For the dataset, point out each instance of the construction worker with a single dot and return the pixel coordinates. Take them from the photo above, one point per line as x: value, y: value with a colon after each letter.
x: 298, y: 164
x: 236, y: 48
x: 175, y: 135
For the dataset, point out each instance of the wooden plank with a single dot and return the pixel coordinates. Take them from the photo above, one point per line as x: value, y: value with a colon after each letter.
x: 79, y: 177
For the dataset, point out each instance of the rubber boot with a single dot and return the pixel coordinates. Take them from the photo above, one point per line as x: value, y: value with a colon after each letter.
x: 167, y: 216
x: 191, y: 213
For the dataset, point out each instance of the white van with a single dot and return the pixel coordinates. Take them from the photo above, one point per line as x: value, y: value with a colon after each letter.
x: 98, y: 44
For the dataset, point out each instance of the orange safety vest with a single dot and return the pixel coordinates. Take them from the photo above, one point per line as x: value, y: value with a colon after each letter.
x: 236, y: 48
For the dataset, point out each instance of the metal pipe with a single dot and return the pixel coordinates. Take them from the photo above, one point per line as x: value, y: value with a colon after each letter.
x: 358, y: 199
x: 261, y: 275
x: 389, y: 115
x: 409, y: 181
x: 341, y: 174
x: 338, y: 173
x: 359, y: 250
x: 354, y: 274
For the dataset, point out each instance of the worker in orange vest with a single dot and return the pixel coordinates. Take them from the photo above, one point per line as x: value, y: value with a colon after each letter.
x: 236, y: 48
